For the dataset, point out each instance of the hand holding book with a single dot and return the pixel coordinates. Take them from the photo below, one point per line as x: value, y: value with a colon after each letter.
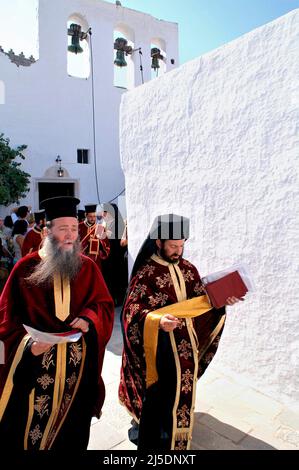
x: 228, y: 286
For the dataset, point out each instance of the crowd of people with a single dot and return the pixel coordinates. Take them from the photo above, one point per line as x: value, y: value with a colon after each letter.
x: 23, y: 231
x: 67, y: 277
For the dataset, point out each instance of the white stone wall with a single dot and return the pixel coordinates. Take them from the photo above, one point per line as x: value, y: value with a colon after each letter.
x: 217, y: 140
x: 51, y: 112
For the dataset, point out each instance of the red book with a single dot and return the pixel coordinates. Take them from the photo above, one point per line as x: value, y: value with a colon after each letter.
x: 231, y: 285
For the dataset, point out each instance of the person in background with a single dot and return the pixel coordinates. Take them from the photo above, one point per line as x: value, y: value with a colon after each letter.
x: 7, y: 227
x: 124, y: 237
x: 18, y: 236
x: 21, y: 212
x: 34, y: 237
x: 80, y: 215
x: 115, y: 267
x: 7, y: 244
x: 94, y: 242
x: 50, y: 392
x: 31, y: 221
x: 4, y: 266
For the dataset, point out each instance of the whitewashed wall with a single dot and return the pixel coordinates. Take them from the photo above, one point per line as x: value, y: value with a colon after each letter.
x: 217, y: 140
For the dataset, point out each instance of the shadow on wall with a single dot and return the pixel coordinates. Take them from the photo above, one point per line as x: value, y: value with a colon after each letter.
x: 211, y: 434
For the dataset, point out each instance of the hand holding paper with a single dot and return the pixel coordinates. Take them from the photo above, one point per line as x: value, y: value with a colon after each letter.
x: 53, y: 338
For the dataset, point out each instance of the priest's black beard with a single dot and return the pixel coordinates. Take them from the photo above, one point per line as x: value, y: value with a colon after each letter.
x: 169, y: 260
x: 56, y: 261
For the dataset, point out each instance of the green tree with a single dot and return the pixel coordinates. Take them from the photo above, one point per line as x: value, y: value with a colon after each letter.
x: 14, y: 183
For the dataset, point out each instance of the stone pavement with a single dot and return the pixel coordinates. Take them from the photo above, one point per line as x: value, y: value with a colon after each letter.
x: 228, y: 416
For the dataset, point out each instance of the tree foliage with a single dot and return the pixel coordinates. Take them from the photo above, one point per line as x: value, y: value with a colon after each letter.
x: 14, y: 182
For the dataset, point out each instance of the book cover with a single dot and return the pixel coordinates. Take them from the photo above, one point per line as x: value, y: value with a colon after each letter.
x: 230, y: 285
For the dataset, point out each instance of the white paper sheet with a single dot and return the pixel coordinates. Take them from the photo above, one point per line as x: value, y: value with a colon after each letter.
x: 52, y: 338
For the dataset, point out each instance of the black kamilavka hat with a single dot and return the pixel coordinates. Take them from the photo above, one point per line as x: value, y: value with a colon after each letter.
x: 60, y: 206
x: 90, y: 208
x: 38, y: 216
x: 169, y: 227
x: 164, y: 227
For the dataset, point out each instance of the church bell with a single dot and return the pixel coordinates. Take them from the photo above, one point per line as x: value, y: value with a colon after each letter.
x: 155, y: 54
x: 121, y: 46
x: 120, y: 60
x: 75, y: 31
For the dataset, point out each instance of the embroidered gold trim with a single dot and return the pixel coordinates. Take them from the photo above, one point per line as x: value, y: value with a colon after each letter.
x: 182, y: 281
x: 191, y: 332
x: 161, y: 261
x: 9, y: 381
x: 62, y: 297
x: 73, y: 396
x: 29, y: 418
x: 212, y: 337
x: 187, y: 309
x: 178, y: 388
x: 58, y: 391
x: 94, y: 242
x: 182, y: 309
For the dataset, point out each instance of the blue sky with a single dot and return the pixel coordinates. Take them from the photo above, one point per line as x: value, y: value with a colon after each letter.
x: 203, y: 24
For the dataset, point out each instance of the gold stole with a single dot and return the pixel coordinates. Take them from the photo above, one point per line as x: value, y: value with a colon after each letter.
x: 93, y: 243
x: 182, y: 309
x: 62, y: 294
x: 62, y: 308
x: 187, y: 309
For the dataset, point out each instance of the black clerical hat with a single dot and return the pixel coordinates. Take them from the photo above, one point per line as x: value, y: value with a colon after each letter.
x: 90, y: 208
x: 170, y: 227
x: 164, y: 227
x: 38, y: 216
x: 61, y: 206
x: 81, y: 214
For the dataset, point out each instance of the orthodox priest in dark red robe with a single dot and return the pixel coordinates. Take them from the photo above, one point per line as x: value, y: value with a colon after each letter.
x: 168, y: 340
x: 95, y: 244
x: 49, y: 392
x: 33, y: 238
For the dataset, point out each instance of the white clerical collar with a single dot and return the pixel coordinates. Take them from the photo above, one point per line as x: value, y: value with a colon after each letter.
x: 88, y: 224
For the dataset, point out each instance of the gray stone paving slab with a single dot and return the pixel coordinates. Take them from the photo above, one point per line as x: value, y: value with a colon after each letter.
x: 289, y: 418
x: 103, y: 436
x: 225, y: 427
x: 209, y: 439
x: 288, y: 435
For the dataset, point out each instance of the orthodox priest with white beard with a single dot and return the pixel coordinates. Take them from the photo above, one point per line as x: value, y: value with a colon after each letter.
x: 49, y: 393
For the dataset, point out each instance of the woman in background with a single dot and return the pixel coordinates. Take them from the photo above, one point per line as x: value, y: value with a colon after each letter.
x: 18, y: 234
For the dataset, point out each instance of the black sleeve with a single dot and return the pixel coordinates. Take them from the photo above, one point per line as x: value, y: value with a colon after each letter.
x: 27, y: 369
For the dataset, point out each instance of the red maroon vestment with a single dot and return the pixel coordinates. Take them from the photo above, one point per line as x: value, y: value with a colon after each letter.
x: 182, y: 355
x: 32, y: 241
x: 93, y: 247
x: 22, y: 303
